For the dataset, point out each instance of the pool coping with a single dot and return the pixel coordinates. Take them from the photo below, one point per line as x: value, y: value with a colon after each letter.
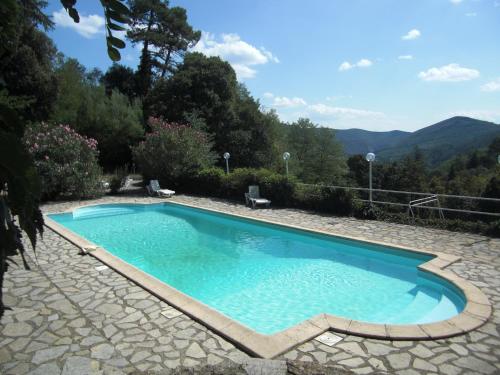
x: 476, y: 312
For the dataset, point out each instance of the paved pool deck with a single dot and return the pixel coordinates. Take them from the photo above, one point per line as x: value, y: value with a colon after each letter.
x: 71, y: 315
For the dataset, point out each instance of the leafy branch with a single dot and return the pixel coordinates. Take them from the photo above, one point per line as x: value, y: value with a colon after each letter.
x: 116, y: 15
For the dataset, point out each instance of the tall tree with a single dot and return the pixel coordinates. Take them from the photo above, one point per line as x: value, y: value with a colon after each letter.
x: 28, y: 83
x: 204, y: 86
x: 21, y: 38
x: 176, y: 36
x: 114, y: 120
x: 317, y: 156
x: 165, y: 36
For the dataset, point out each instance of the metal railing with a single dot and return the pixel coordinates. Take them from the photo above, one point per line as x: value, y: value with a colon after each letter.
x: 421, y: 203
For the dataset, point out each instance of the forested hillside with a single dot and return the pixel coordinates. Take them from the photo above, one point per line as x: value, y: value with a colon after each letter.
x: 438, y: 143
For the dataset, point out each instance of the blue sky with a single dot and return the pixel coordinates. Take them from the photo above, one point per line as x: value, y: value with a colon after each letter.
x: 371, y: 64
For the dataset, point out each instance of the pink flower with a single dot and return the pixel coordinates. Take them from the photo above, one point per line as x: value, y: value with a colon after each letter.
x: 46, y: 157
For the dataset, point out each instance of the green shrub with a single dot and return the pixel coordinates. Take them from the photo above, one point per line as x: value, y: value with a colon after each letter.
x: 366, y: 211
x: 66, y: 161
x: 494, y: 229
x: 173, y: 153
x: 278, y: 188
x: 209, y: 181
x: 324, y: 199
x: 118, y: 179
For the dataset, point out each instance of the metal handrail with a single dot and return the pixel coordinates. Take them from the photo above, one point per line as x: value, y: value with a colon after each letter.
x: 407, y: 192
x: 431, y: 196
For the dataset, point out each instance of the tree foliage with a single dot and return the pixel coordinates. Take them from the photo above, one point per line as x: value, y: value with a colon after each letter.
x: 205, y: 89
x: 114, y: 120
x: 172, y: 152
x: 165, y: 35
x: 120, y: 78
x: 116, y: 13
x: 317, y: 156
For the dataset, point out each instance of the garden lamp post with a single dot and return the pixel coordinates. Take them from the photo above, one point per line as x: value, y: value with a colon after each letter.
x: 286, y: 156
x: 370, y: 157
x: 227, y: 155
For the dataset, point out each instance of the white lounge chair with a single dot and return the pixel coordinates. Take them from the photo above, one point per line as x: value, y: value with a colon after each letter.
x: 253, y: 197
x: 155, y: 189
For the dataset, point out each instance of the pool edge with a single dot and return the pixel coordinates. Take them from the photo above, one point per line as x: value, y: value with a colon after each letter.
x: 476, y: 312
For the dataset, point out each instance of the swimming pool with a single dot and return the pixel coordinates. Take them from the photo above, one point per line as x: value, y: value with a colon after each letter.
x: 267, y: 277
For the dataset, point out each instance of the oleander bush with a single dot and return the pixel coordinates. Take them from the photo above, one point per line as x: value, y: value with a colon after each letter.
x: 173, y: 153
x: 66, y: 161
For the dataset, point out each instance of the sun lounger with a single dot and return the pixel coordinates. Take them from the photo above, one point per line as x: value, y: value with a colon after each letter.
x: 155, y: 189
x: 254, y: 199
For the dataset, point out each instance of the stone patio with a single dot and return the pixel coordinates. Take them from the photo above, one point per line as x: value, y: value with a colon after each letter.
x: 71, y: 315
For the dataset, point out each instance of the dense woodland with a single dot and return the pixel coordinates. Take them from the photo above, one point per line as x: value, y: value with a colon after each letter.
x: 171, y: 83
x: 65, y: 127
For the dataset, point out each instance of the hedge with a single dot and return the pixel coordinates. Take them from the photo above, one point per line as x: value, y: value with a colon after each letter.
x: 288, y: 192
x: 281, y: 190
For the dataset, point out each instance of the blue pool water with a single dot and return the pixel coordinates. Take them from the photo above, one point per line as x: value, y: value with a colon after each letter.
x: 267, y: 277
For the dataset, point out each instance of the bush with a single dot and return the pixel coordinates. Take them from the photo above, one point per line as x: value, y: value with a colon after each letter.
x: 208, y: 181
x: 173, y: 153
x: 66, y: 161
x: 324, y: 199
x: 278, y: 188
x: 118, y: 179
x: 366, y: 211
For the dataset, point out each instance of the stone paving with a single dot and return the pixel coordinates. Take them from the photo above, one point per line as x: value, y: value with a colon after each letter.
x: 71, y: 315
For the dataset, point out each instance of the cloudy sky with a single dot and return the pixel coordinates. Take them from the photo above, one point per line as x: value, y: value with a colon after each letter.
x: 370, y: 64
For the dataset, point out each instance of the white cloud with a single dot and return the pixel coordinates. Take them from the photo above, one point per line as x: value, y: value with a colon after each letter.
x: 240, y: 54
x: 244, y: 71
x: 283, y: 101
x: 471, y: 14
x: 269, y: 55
x: 412, y: 34
x: 456, y: 1
x: 344, y: 112
x: 405, y: 57
x: 492, y: 86
x: 449, y: 73
x: 87, y: 27
x: 268, y: 95
x: 363, y: 63
x: 346, y: 65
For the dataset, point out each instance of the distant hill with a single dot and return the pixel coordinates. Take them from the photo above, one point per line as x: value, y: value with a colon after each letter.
x: 438, y: 142
x: 358, y: 141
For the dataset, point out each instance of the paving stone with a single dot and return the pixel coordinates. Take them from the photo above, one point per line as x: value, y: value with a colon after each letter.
x: 422, y: 365
x: 80, y: 366
x: 378, y: 348
x: 91, y: 340
x: 352, y: 362
x: 399, y: 361
x: 104, y: 300
x: 475, y: 364
x: 195, y: 351
x: 102, y: 351
x: 109, y: 308
x: 48, y: 354
x: 46, y: 369
x: 17, y: 329
x: 139, y: 356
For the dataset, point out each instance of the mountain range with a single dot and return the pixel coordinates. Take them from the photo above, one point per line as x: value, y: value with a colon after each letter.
x: 439, y: 142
